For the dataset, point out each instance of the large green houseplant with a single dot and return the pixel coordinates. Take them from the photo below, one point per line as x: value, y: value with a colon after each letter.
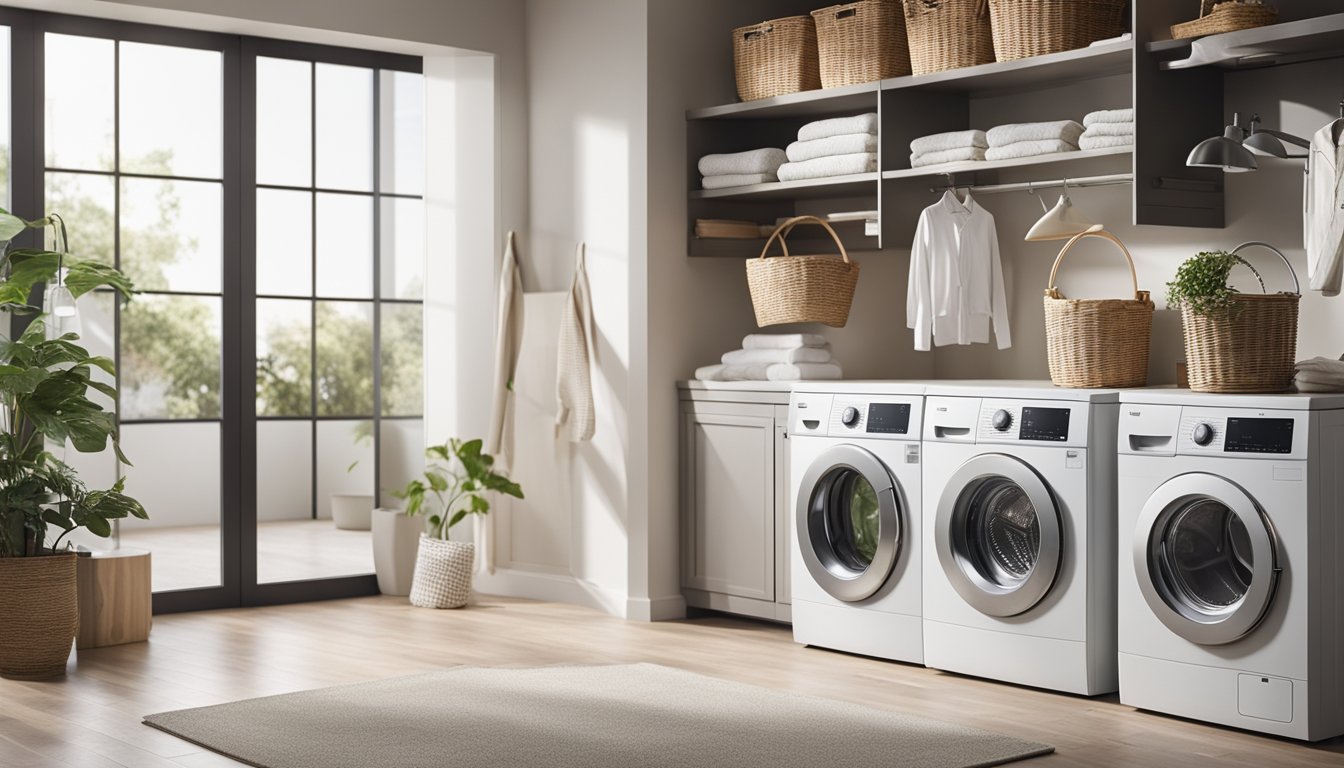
x: 46, y: 381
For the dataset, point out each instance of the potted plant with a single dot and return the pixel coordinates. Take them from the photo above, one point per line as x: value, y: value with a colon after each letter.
x: 458, y: 478
x: 354, y: 511
x: 45, y: 385
x: 1234, y: 342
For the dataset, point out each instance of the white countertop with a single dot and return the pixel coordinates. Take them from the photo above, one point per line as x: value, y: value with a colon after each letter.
x: 1287, y: 401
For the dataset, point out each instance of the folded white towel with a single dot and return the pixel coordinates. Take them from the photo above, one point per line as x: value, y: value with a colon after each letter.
x: 1109, y: 129
x: 825, y: 167
x: 1061, y: 130
x: 940, y: 142
x: 1322, y: 365
x: 1029, y: 149
x: 1320, y: 379
x: 947, y: 156
x: 765, y: 160
x: 1103, y: 142
x: 797, y: 355
x: 848, y: 144
x: 838, y: 126
x: 1109, y: 116
x: 736, y: 180
x: 1307, y: 386
x: 777, y: 372
x: 783, y: 340
x: 709, y: 372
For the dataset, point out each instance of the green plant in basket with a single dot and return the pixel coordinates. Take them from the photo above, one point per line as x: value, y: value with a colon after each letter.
x: 1201, y: 285
x: 458, y: 477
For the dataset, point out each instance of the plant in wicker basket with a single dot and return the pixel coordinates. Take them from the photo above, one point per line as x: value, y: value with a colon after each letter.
x: 1201, y: 283
x: 455, y: 484
x: 46, y: 380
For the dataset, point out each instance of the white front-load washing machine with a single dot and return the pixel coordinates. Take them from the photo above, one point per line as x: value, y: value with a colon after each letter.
x: 1232, y: 559
x: 855, y: 484
x: 1019, y: 544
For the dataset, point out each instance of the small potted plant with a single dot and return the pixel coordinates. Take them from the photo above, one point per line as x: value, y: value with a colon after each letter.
x: 1234, y: 342
x: 354, y: 511
x: 455, y: 484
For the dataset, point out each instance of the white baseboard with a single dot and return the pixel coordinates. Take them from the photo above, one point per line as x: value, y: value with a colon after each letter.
x: 552, y: 587
x: 666, y: 608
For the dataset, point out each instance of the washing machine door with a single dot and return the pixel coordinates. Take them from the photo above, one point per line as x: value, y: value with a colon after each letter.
x: 1206, y: 558
x: 849, y: 522
x: 997, y: 534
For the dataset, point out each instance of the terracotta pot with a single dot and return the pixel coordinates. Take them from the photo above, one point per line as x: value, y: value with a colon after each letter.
x: 442, y: 573
x: 40, y: 605
x: 395, y: 540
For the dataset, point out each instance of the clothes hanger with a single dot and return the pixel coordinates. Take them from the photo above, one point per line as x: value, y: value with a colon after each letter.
x: 1061, y: 222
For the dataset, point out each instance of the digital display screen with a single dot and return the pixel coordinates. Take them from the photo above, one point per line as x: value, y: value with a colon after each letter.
x: 1259, y: 436
x: 889, y: 418
x: 1045, y: 424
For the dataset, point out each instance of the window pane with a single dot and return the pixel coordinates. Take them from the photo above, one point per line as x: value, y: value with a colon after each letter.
x: 344, y: 358
x: 172, y: 234
x: 172, y: 118
x: 403, y: 366
x: 284, y: 357
x: 79, y: 102
x: 345, y: 246
x: 284, y: 242
x: 402, y: 254
x: 86, y: 203
x: 97, y: 329
x: 284, y: 470
x: 170, y: 354
x: 284, y: 122
x: 401, y: 458
x: 177, y: 478
x: 344, y: 127
x: 344, y: 461
x: 5, y: 140
x: 402, y: 119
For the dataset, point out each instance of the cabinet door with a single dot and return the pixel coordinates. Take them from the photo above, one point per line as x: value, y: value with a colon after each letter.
x: 783, y: 508
x: 728, y: 492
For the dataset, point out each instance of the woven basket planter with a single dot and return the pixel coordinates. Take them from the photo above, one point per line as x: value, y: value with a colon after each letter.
x: 1098, y: 342
x: 39, y: 607
x: 776, y: 57
x: 802, y: 289
x: 948, y: 34
x: 1216, y: 18
x: 1024, y: 28
x: 442, y: 573
x: 861, y: 42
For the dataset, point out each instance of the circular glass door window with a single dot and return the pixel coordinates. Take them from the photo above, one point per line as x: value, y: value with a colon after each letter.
x: 1002, y: 538
x: 1203, y: 558
x: 853, y: 518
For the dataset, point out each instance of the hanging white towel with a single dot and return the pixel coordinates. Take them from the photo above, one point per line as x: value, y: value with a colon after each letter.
x: 507, y: 343
x: 838, y: 126
x: 1323, y: 212
x: 573, y: 379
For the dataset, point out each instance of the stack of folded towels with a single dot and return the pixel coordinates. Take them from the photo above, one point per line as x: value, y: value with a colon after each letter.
x: 1032, y: 139
x: 739, y: 169
x: 1319, y: 374
x: 775, y: 357
x: 950, y: 147
x: 838, y: 146
x: 1108, y: 128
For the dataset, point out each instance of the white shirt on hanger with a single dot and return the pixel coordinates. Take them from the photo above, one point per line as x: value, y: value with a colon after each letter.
x: 1322, y: 220
x: 956, y: 285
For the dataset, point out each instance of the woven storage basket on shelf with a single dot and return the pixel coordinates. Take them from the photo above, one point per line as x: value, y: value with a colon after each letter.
x: 1024, y: 28
x: 776, y: 57
x: 948, y: 34
x: 40, y: 609
x: 1248, y: 347
x: 802, y: 289
x: 1228, y: 16
x: 861, y: 42
x: 1098, y: 342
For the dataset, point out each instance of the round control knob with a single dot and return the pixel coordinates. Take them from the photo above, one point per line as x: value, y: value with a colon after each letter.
x: 1203, y: 434
x: 850, y: 417
x: 1001, y: 420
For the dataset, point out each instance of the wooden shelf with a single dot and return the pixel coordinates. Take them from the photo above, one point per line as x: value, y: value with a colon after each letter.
x: 854, y: 99
x: 973, y: 166
x: 1002, y: 76
x: 858, y: 185
x: 1286, y: 43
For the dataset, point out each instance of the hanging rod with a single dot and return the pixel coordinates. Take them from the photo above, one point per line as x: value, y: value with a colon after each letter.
x: 1031, y: 186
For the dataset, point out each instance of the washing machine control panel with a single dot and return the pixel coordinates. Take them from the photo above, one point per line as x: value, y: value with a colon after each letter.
x: 1039, y: 422
x: 1242, y: 432
x: 875, y: 417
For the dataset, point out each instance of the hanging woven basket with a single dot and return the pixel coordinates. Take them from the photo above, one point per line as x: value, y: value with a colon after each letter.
x: 802, y: 289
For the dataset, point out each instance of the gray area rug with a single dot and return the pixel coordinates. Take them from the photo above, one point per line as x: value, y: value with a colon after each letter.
x: 623, y: 716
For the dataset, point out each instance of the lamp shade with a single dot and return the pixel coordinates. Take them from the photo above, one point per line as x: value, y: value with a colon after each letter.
x: 1262, y: 143
x: 1221, y: 152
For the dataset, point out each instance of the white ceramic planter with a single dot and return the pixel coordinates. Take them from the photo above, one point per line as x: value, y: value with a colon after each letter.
x: 442, y: 573
x: 352, y: 511
x: 396, y: 538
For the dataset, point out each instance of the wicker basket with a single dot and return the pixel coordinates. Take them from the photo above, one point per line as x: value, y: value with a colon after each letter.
x: 1024, y: 28
x: 861, y: 42
x: 40, y: 609
x: 1228, y: 16
x: 802, y: 289
x: 776, y: 57
x: 1248, y: 347
x: 1098, y: 342
x: 442, y: 573
x: 947, y: 34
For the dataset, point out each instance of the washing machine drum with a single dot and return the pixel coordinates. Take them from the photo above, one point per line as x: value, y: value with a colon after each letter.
x: 997, y: 534
x: 849, y: 522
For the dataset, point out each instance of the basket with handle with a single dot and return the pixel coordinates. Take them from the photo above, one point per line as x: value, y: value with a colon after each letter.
x: 948, y: 34
x: 776, y: 57
x: 1097, y: 342
x: 1249, y: 346
x: 1226, y: 16
x: 861, y: 42
x: 1024, y: 28
x: 802, y: 289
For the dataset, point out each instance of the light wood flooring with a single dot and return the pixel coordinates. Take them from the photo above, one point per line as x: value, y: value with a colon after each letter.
x: 91, y: 718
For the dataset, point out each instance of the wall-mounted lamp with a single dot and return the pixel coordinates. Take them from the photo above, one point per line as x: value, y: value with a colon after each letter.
x: 1235, y: 150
